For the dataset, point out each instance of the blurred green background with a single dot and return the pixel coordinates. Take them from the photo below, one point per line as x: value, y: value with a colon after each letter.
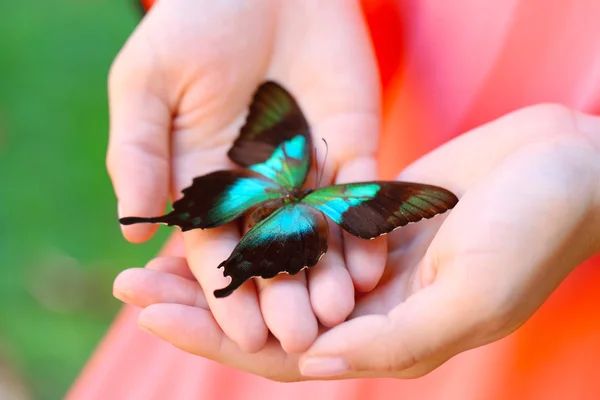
x: 60, y: 241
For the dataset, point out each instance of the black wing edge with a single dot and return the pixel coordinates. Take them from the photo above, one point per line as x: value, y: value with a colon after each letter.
x: 274, y: 117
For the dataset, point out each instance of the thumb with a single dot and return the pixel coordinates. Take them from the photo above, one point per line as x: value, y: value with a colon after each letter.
x: 405, y: 343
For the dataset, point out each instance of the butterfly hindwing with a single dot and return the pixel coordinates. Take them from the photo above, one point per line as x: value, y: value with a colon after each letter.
x: 275, y: 141
x: 371, y: 209
x: 290, y: 239
x: 216, y: 199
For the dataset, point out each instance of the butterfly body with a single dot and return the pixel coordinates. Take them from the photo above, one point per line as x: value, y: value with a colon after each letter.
x: 263, y: 210
x: 287, y: 222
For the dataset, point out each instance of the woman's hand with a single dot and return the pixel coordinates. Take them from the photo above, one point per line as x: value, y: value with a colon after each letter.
x: 529, y: 212
x: 179, y: 92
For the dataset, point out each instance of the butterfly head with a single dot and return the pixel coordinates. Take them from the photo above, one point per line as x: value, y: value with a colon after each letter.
x: 298, y: 194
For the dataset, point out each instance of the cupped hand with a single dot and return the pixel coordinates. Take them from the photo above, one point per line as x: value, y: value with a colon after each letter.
x: 529, y: 213
x: 179, y: 92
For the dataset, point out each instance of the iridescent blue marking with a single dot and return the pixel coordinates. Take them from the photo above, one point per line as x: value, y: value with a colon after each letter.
x: 335, y: 203
x: 295, y: 147
x: 362, y: 190
x: 290, y: 219
x: 245, y: 193
x: 334, y: 208
x: 276, y: 165
x: 287, y: 221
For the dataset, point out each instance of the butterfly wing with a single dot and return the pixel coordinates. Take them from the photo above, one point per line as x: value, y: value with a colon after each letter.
x: 275, y: 141
x: 371, y: 209
x: 290, y: 239
x: 216, y: 199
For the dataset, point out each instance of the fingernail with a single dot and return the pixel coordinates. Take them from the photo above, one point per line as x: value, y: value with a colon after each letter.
x: 121, y: 295
x: 324, y: 366
x: 146, y: 329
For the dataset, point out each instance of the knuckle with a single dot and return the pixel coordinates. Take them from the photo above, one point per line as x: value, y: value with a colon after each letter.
x: 157, y: 263
x: 119, y: 69
x: 544, y: 120
x: 115, y: 68
x: 136, y: 64
x: 278, y: 370
x: 550, y: 114
x: 396, y: 361
x: 498, y: 314
x: 565, y: 162
x: 405, y: 354
x: 274, y: 376
x: 558, y: 117
x: 111, y: 165
x: 349, y: 134
x: 550, y: 110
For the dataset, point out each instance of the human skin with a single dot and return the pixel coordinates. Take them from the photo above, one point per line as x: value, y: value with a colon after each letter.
x: 179, y: 92
x: 529, y: 213
x: 480, y: 277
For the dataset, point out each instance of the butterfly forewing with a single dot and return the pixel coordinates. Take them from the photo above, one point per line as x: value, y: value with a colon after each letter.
x: 274, y: 118
x: 371, y: 209
x: 288, y: 165
x: 216, y: 199
x: 290, y: 239
x: 275, y: 141
x: 275, y: 145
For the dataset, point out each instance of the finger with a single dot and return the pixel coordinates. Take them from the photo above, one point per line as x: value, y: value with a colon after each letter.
x: 337, y: 120
x: 339, y: 110
x: 365, y: 259
x: 174, y: 246
x: 143, y: 287
x: 238, y: 314
x: 172, y: 265
x: 399, y: 344
x: 138, y: 150
x: 195, y: 331
x: 330, y: 285
x: 286, y: 308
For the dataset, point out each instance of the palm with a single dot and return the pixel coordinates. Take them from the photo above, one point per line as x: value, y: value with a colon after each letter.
x: 403, y: 275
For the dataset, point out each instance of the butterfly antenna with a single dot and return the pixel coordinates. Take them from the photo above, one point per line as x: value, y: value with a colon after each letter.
x: 320, y: 177
x: 316, y: 166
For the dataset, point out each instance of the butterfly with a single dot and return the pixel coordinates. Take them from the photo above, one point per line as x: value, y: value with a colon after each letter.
x: 289, y: 229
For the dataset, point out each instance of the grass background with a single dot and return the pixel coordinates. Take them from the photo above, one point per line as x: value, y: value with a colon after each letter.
x: 60, y: 243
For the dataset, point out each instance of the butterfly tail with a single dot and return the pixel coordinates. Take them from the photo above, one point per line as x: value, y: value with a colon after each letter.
x: 226, y: 291
x: 236, y: 281
x: 169, y: 219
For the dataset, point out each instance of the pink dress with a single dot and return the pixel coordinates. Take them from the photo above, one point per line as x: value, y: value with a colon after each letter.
x: 447, y: 66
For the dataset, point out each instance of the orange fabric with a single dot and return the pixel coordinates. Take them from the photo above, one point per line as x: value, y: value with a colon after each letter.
x: 446, y: 67
x: 146, y: 4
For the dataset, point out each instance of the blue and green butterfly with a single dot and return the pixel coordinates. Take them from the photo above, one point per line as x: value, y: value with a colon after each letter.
x: 289, y: 229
